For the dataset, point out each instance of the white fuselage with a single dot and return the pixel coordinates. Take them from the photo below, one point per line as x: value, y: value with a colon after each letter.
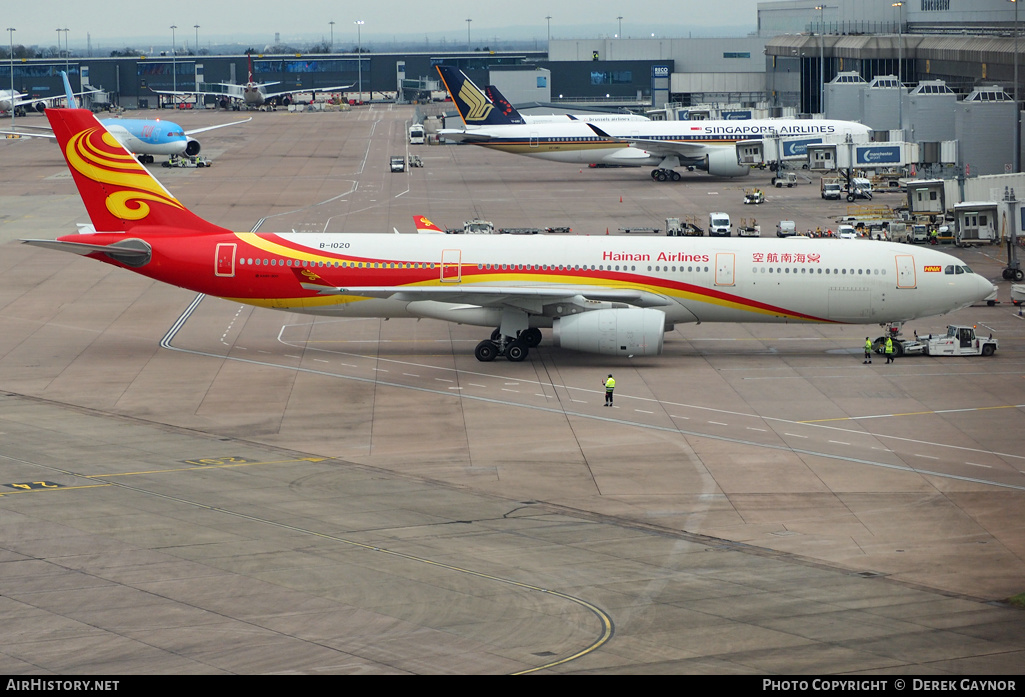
x: 703, y: 279
x: 646, y: 143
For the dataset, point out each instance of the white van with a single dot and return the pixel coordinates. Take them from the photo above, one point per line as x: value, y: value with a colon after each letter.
x: 786, y: 228
x: 719, y: 225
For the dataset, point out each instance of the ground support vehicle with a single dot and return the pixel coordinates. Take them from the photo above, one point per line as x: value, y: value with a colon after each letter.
x: 186, y: 161
x: 831, y: 189
x: 675, y: 227
x: 474, y: 227
x: 959, y: 340
x: 520, y: 230
x: 754, y: 196
x: 752, y: 230
x: 397, y: 163
x: 415, y: 161
x: 787, y: 179
x: 640, y: 230
x: 786, y: 228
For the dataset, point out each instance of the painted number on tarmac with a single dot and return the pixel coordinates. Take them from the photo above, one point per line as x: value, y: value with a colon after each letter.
x: 26, y: 486
x: 216, y: 461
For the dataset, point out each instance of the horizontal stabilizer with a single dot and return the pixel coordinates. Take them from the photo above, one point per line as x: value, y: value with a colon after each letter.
x: 131, y: 252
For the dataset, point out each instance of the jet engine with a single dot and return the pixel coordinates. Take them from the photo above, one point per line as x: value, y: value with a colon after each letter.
x: 192, y: 148
x: 617, y: 332
x: 39, y: 106
x: 722, y: 162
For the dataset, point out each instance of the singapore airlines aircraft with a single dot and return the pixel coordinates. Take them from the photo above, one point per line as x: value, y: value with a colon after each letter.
x: 606, y: 295
x: 489, y: 107
x: 144, y: 137
x: 664, y: 145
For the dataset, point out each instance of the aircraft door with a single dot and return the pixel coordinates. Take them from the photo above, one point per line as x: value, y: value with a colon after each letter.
x: 725, y: 263
x: 224, y: 263
x: 451, y: 265
x: 533, y: 139
x: 906, y: 271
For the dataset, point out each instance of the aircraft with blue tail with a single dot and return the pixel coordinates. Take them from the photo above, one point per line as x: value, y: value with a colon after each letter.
x: 145, y: 138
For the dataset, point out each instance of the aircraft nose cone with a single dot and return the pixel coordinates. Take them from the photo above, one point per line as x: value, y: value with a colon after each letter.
x: 987, y: 290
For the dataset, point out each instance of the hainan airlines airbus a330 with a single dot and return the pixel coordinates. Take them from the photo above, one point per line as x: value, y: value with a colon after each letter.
x: 607, y: 295
x: 663, y: 145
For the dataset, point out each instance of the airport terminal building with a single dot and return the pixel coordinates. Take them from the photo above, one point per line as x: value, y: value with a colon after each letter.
x: 874, y: 61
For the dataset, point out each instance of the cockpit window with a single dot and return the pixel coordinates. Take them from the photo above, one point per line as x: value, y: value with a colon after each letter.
x: 949, y: 269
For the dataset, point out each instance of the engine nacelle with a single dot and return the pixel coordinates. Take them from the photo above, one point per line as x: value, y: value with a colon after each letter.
x: 192, y: 147
x: 621, y: 332
x: 723, y: 163
x: 39, y: 106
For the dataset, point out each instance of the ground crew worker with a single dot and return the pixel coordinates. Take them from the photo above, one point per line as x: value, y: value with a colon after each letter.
x: 889, y: 350
x: 868, y: 351
x: 610, y: 385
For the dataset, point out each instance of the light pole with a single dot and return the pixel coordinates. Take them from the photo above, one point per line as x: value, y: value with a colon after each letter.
x: 620, y: 35
x: 359, y: 55
x: 1017, y: 112
x: 67, y: 52
x: 196, y: 27
x: 468, y: 34
x: 174, y: 66
x: 332, y: 35
x: 900, y: 66
x: 822, y: 57
x: 549, y: 20
x: 11, y: 30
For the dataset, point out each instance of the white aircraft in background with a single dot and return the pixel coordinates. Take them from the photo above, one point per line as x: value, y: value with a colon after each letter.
x: 143, y: 137
x: 663, y: 145
x: 605, y: 295
x: 253, y: 95
x: 21, y: 103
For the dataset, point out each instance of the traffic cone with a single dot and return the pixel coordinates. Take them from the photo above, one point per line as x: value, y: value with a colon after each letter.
x: 606, y: 231
x: 620, y: 199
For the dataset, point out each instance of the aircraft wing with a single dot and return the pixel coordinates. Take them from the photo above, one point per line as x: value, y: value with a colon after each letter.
x: 29, y: 135
x: 458, y: 135
x: 531, y: 298
x: 656, y: 147
x: 48, y: 101
x: 301, y: 90
x: 222, y: 125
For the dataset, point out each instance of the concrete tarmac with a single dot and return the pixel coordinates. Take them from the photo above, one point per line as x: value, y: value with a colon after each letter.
x: 188, y: 485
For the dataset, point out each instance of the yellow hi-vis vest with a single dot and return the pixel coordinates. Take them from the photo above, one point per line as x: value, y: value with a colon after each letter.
x: 610, y: 384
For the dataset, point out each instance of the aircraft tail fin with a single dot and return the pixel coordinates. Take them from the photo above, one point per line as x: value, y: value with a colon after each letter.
x: 425, y: 226
x: 503, y: 104
x: 474, y: 107
x: 70, y: 93
x: 118, y: 192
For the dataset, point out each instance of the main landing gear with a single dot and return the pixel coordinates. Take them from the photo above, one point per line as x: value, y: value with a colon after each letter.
x: 665, y: 175
x: 514, y: 349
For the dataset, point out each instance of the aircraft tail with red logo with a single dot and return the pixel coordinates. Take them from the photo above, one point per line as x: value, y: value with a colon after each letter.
x: 118, y: 192
x: 425, y: 226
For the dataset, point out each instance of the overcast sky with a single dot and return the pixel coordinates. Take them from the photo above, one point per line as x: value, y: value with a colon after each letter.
x: 135, y: 22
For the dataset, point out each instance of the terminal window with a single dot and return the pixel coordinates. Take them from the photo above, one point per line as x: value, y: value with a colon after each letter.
x: 612, y: 77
